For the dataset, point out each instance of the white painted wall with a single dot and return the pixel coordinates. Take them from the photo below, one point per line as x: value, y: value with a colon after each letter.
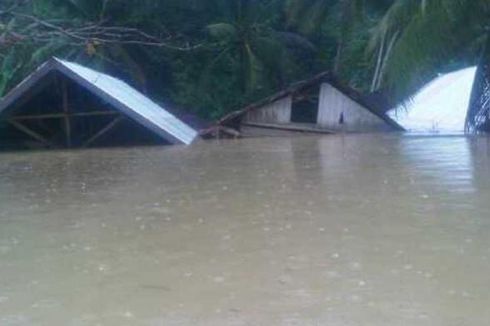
x: 333, y: 104
x: 277, y: 112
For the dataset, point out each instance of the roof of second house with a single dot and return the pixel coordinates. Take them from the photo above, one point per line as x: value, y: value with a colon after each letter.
x: 114, y: 91
x: 324, y: 77
x: 441, y: 106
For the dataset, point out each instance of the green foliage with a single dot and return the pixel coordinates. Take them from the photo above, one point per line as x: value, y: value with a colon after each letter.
x: 428, y: 37
x: 9, y: 67
x: 218, y: 55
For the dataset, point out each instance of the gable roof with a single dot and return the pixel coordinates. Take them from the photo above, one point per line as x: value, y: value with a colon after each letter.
x: 324, y: 77
x: 114, y: 91
x: 441, y: 106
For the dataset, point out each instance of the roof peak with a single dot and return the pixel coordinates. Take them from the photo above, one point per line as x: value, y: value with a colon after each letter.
x: 116, y: 92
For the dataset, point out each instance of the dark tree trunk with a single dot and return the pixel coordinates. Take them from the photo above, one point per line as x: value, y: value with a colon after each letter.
x: 345, y: 11
x: 478, y: 119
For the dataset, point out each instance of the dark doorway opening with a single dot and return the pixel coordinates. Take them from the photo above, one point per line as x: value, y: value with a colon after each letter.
x: 305, y: 106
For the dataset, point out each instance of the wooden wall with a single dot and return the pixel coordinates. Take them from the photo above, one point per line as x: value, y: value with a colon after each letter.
x: 334, y: 107
x: 278, y: 112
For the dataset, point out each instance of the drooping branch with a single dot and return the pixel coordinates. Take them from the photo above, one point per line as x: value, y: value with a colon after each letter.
x: 38, y: 30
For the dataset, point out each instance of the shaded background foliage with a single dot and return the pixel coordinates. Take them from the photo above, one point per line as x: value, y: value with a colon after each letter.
x: 214, y: 56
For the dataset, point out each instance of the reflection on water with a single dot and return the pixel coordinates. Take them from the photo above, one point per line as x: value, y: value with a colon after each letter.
x: 451, y: 168
x: 356, y: 230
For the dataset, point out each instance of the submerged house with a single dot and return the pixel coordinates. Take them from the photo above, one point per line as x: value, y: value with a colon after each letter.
x: 66, y: 105
x: 441, y: 106
x: 452, y: 103
x: 318, y: 105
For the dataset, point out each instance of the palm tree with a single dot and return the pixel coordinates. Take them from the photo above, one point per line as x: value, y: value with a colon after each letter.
x: 245, y: 40
x: 346, y: 24
x: 417, y: 39
x: 310, y: 15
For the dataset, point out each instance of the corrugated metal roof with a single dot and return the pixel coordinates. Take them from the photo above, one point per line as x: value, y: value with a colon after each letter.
x: 114, y: 91
x: 135, y: 104
x: 439, y: 107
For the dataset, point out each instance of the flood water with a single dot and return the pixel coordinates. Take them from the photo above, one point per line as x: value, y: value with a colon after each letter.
x: 357, y: 230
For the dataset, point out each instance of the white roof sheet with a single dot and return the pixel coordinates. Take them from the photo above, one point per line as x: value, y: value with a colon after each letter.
x: 441, y: 106
x: 135, y: 104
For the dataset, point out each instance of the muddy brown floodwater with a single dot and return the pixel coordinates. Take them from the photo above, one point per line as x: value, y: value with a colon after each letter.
x: 357, y: 230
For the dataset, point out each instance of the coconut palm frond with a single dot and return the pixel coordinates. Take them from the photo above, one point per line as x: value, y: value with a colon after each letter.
x: 430, y: 35
x: 222, y: 31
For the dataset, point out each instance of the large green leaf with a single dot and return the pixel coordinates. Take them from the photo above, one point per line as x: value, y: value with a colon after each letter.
x: 223, y: 31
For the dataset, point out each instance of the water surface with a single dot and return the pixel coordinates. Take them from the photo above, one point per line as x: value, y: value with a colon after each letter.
x: 357, y: 230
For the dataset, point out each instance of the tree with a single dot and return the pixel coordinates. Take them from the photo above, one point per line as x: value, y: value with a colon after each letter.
x: 342, y: 27
x: 249, y: 35
x: 214, y: 56
x: 416, y: 40
x: 159, y: 43
x: 98, y: 33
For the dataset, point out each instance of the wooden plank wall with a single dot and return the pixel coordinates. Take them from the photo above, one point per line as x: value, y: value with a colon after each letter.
x: 278, y: 112
x: 335, y: 107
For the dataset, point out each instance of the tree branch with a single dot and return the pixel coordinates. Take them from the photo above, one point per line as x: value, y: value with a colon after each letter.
x: 38, y: 30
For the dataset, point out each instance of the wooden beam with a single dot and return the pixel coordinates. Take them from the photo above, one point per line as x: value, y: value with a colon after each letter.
x: 30, y: 132
x: 104, y: 130
x: 300, y: 127
x: 66, y: 110
x: 62, y: 115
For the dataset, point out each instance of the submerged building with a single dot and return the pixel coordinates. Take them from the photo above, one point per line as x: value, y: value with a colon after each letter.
x: 66, y: 105
x: 318, y: 105
x: 441, y: 106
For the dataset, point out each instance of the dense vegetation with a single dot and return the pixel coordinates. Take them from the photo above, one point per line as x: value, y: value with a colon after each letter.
x: 213, y: 56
